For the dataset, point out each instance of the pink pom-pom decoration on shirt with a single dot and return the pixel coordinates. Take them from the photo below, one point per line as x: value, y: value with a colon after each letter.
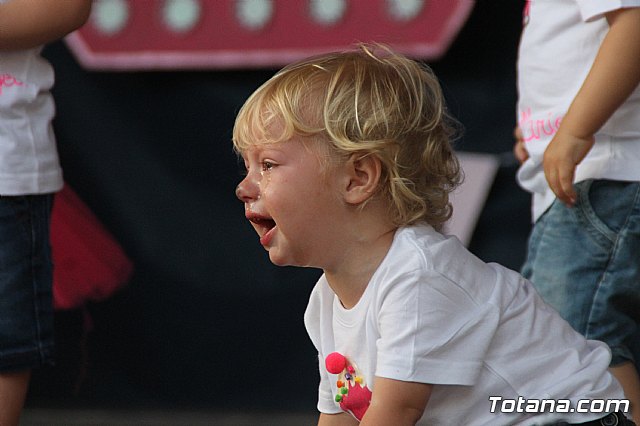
x: 335, y: 363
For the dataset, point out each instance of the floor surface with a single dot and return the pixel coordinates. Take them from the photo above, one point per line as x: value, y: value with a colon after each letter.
x: 65, y: 417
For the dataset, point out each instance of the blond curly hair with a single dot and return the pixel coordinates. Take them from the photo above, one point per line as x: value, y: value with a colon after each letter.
x: 366, y: 101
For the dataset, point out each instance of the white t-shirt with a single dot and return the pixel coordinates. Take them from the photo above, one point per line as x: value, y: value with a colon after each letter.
x: 28, y: 156
x: 435, y: 313
x: 559, y: 43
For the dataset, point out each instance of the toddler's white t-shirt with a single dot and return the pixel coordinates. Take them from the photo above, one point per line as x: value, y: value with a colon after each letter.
x: 434, y: 313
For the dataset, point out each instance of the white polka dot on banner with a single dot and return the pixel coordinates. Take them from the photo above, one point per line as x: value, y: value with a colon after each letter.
x: 405, y: 10
x: 110, y: 16
x: 327, y: 12
x: 181, y: 15
x: 254, y: 14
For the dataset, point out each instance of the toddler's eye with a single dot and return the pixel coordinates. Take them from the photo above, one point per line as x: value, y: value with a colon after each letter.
x: 267, y: 166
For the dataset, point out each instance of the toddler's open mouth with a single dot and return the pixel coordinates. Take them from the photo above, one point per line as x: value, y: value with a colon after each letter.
x: 263, y: 226
x: 263, y: 223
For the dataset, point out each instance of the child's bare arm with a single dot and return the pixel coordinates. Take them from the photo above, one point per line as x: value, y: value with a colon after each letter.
x: 29, y: 23
x: 397, y: 403
x: 613, y: 77
x: 342, y: 419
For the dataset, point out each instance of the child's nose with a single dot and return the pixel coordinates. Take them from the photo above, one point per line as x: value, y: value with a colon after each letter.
x: 247, y: 191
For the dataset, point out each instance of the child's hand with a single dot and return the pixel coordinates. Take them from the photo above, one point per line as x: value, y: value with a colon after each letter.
x: 561, y: 157
x: 519, y: 150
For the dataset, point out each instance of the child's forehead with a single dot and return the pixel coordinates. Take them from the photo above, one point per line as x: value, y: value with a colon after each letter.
x: 270, y: 133
x: 266, y: 128
x: 258, y: 148
x: 293, y: 146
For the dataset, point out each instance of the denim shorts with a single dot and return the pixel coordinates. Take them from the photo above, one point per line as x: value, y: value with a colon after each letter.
x: 585, y: 262
x: 26, y: 309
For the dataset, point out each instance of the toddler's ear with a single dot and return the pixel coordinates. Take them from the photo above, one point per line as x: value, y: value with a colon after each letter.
x: 363, y: 178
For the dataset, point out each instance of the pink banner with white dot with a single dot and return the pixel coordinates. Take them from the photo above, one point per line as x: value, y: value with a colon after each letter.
x: 227, y: 34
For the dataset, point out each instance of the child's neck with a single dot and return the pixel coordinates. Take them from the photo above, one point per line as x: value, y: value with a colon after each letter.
x: 350, y: 280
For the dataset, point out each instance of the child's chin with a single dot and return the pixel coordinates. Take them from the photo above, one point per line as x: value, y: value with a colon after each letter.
x: 278, y: 260
x: 283, y: 259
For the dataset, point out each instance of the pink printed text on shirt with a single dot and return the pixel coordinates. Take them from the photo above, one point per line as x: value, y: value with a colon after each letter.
x: 533, y: 130
x: 8, y: 80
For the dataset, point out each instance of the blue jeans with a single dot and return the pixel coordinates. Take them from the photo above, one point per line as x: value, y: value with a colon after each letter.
x: 585, y: 262
x: 26, y: 309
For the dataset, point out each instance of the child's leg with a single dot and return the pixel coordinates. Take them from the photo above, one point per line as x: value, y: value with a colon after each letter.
x: 26, y: 309
x: 13, y: 390
x: 585, y: 262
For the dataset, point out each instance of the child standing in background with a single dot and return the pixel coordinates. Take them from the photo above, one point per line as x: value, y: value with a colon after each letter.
x: 579, y: 144
x: 349, y: 169
x: 29, y: 174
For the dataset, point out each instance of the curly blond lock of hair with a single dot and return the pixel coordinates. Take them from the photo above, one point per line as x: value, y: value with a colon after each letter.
x: 366, y: 101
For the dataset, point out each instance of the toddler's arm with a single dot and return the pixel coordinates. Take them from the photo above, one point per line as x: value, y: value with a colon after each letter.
x: 613, y: 77
x: 397, y: 403
x: 29, y: 23
x: 342, y: 419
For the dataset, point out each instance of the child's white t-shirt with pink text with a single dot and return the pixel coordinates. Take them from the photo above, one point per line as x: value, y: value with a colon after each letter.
x: 28, y: 156
x: 559, y: 43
